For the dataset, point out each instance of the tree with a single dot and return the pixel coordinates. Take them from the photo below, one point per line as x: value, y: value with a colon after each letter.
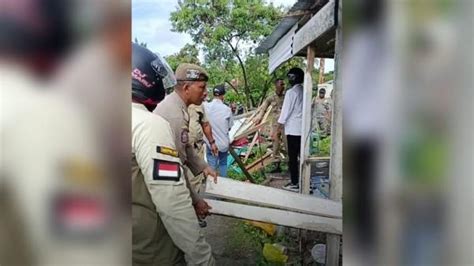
x: 188, y: 54
x: 140, y: 43
x: 227, y: 29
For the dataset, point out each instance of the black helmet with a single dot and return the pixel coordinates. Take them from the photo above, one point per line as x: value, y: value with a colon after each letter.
x: 219, y: 90
x: 295, y: 76
x: 151, y: 76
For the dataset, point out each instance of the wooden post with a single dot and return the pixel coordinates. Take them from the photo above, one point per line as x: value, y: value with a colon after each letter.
x: 241, y: 165
x: 335, y: 171
x: 321, y: 71
x: 305, y: 169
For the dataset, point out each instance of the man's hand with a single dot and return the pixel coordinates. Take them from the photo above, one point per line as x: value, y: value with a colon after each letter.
x: 257, y: 121
x: 214, y: 149
x: 208, y: 171
x: 202, y: 208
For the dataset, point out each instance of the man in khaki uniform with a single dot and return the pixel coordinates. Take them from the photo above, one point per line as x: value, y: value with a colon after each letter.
x: 274, y: 101
x: 322, y: 113
x: 165, y: 225
x: 198, y: 127
x: 190, y: 89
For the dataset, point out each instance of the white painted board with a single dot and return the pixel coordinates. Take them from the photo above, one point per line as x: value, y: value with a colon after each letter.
x: 274, y: 216
x: 273, y: 197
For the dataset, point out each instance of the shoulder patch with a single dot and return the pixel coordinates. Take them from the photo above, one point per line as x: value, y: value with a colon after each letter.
x: 166, y: 170
x: 167, y: 151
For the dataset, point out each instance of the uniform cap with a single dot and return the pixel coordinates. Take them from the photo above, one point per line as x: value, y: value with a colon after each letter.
x: 191, y: 72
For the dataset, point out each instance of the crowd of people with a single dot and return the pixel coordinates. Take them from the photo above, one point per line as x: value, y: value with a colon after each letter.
x: 179, y: 140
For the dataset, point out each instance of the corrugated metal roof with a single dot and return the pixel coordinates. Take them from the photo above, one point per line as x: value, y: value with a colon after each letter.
x: 288, y: 22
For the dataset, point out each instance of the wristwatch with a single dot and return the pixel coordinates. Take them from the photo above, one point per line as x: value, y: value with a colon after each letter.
x: 212, y: 141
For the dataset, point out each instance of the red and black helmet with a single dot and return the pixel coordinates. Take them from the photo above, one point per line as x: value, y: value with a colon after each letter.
x: 151, y: 76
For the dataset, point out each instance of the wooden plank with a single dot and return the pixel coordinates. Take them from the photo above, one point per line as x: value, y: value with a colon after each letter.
x: 244, y: 115
x: 315, y: 159
x: 319, y: 24
x: 267, y: 161
x: 258, y: 161
x: 335, y: 170
x: 305, y: 169
x: 249, y: 149
x: 250, y: 131
x: 241, y: 165
x: 274, y: 216
x: 321, y: 71
x: 273, y: 197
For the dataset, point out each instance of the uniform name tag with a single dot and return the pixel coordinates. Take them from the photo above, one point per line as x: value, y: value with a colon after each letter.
x: 167, y: 151
x: 166, y: 170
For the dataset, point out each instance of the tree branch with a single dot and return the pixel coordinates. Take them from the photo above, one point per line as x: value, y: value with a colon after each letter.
x: 241, y: 63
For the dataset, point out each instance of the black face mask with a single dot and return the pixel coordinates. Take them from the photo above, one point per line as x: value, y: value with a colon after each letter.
x: 292, y: 79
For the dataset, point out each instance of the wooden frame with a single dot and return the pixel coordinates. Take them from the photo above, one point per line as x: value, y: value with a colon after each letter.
x: 273, y: 197
x: 274, y: 216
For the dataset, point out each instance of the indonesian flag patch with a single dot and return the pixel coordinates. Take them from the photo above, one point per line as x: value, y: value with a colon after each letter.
x: 166, y: 170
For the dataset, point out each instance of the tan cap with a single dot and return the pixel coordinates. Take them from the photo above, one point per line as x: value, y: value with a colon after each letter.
x: 191, y: 72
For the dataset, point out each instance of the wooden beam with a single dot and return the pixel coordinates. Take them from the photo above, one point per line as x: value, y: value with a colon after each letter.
x: 249, y: 149
x: 241, y: 165
x: 273, y: 197
x: 250, y: 131
x: 321, y: 71
x: 274, y: 216
x: 267, y: 161
x: 319, y: 24
x: 305, y: 169
x: 259, y: 162
x: 335, y: 170
x: 315, y: 159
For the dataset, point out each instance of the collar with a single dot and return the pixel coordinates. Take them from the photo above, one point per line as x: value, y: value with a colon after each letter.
x: 139, y: 106
x: 217, y: 100
x: 178, y: 99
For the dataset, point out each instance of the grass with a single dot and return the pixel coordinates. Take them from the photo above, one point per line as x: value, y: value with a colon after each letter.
x: 247, y: 236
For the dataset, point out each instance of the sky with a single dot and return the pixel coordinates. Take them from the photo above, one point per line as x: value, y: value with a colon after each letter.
x: 150, y: 24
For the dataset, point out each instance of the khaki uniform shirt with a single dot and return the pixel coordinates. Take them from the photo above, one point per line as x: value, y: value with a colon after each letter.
x: 276, y: 103
x: 197, y: 117
x: 322, y: 115
x: 160, y: 198
x: 175, y: 111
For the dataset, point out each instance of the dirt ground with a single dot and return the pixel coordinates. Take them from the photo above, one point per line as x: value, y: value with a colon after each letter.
x: 231, y: 246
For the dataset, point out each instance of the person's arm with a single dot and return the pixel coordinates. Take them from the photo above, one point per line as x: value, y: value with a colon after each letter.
x: 207, y: 129
x: 197, y: 165
x: 287, y: 107
x: 163, y: 177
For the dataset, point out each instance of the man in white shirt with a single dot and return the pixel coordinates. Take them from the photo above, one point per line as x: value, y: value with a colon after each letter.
x: 291, y: 118
x: 220, y: 118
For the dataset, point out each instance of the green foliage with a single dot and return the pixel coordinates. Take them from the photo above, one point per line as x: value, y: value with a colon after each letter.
x: 249, y: 236
x: 228, y: 30
x: 140, y: 43
x: 323, y: 147
x: 188, y: 54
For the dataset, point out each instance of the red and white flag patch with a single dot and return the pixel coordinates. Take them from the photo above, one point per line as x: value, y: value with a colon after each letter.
x: 166, y: 170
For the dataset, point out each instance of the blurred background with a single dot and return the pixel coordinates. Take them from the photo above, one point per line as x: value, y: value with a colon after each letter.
x: 407, y: 80
x: 65, y: 132
x: 408, y: 155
